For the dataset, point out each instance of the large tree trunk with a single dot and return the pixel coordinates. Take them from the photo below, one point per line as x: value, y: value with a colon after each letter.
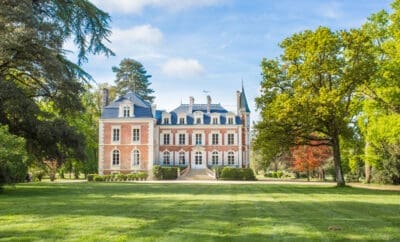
x: 337, y: 161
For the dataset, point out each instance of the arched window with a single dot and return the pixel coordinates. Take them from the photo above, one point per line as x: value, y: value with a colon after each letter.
x: 182, y: 160
x: 214, y: 158
x: 231, y: 158
x: 115, y: 158
x: 198, y: 158
x: 127, y: 111
x: 166, y: 158
x: 135, y: 158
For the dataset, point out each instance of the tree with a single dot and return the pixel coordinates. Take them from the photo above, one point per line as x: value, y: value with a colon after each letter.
x: 35, y: 71
x: 307, y: 158
x: 307, y: 94
x: 13, y: 158
x: 131, y: 76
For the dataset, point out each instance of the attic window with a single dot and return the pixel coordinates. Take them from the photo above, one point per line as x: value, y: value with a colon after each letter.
x: 166, y: 121
x: 230, y: 120
x: 126, y: 111
x: 181, y: 120
x: 198, y: 120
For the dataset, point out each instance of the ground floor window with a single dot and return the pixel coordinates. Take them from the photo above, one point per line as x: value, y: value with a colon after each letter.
x: 115, y: 157
x: 135, y: 158
x: 231, y: 158
x: 198, y: 158
x: 166, y: 158
x: 214, y: 158
x: 182, y: 160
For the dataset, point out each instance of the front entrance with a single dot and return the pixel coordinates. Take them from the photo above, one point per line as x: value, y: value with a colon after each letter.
x: 198, y: 162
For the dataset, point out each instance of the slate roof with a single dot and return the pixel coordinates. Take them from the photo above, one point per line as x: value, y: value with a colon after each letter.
x: 142, y: 109
x: 243, y: 101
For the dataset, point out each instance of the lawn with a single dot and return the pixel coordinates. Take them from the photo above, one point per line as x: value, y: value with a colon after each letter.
x: 196, y: 212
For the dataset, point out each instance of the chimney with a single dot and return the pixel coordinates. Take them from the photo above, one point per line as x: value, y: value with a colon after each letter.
x: 153, y: 110
x: 208, y: 104
x: 104, y: 98
x: 238, y: 102
x: 191, y: 102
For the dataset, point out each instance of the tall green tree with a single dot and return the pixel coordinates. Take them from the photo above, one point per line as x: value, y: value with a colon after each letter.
x: 307, y: 94
x: 35, y: 70
x: 132, y: 76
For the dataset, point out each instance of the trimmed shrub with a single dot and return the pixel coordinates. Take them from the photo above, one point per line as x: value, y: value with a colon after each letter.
x: 90, y: 177
x: 218, y: 171
x: 121, y: 177
x: 230, y: 173
x: 132, y: 177
x: 98, y: 178
x: 142, y: 176
x: 279, y: 174
x: 165, y: 173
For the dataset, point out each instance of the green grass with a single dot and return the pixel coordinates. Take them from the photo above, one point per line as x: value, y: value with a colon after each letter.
x: 196, y: 212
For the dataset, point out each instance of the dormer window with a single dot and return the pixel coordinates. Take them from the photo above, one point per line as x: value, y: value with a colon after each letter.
x: 166, y: 118
x: 198, y: 117
x: 214, y: 118
x: 127, y: 112
x: 166, y: 121
x: 230, y: 118
x: 181, y: 118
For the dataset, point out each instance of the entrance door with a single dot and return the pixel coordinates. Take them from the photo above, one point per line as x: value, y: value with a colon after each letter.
x: 198, y: 161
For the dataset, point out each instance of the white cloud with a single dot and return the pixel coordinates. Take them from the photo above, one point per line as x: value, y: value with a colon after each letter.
x: 136, y: 6
x: 182, y: 68
x: 143, y: 34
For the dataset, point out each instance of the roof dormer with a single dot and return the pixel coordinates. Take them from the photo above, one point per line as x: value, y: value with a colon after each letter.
x: 166, y: 118
x: 198, y: 117
x: 126, y: 109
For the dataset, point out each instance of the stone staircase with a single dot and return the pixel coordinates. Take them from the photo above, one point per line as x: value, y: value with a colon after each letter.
x: 198, y: 174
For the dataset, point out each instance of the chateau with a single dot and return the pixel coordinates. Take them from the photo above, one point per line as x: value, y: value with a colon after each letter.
x: 134, y: 136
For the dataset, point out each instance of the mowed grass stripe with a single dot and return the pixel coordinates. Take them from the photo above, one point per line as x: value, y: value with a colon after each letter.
x: 196, y: 212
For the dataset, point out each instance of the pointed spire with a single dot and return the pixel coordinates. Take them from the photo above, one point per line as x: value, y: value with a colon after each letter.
x: 243, y: 101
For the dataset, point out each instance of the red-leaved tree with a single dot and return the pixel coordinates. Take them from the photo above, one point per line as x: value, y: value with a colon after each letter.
x: 307, y: 158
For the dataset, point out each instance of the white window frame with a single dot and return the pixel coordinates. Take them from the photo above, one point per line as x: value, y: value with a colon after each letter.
x: 181, y: 158
x: 198, y: 158
x: 180, y: 135
x: 215, y: 162
x: 115, y: 127
x: 164, y: 136
x: 166, y: 158
x: 118, y: 154
x: 213, y: 139
x: 198, y: 141
x: 228, y: 140
x: 133, y: 134
x: 230, y: 157
x: 135, y: 158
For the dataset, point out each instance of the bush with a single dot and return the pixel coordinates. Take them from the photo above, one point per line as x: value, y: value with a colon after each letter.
x: 90, y: 177
x: 229, y: 173
x: 218, y: 171
x: 121, y: 177
x: 142, y: 176
x: 132, y: 177
x: 98, y: 178
x: 165, y: 173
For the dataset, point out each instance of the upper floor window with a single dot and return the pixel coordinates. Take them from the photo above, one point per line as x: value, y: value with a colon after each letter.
x: 115, y: 157
x: 214, y: 158
x: 230, y: 120
x: 181, y: 139
x: 115, y: 134
x: 135, y: 158
x: 127, y: 112
x: 166, y: 139
x: 215, y: 120
x: 231, y: 158
x: 166, y: 158
x: 181, y: 120
x: 198, y: 139
x: 231, y: 139
x: 182, y: 159
x: 135, y: 135
x: 215, y: 138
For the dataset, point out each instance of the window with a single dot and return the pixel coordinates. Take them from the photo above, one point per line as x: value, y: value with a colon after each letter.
x: 231, y: 158
x: 135, y: 158
x: 181, y: 120
x: 198, y: 120
x: 126, y: 111
x: 135, y: 134
x: 198, y: 139
x: 115, y: 135
x: 231, y: 139
x: 166, y: 120
x: 215, y: 121
x: 198, y: 158
x: 214, y: 139
x: 214, y: 158
x: 230, y: 120
x: 181, y: 139
x: 166, y: 159
x: 182, y: 160
x: 115, y: 158
x: 166, y: 139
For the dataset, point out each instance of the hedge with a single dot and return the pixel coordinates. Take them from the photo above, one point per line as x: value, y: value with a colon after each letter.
x: 118, y: 177
x: 165, y: 172
x: 230, y: 173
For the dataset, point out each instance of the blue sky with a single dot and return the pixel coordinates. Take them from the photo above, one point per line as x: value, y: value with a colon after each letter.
x: 189, y: 46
